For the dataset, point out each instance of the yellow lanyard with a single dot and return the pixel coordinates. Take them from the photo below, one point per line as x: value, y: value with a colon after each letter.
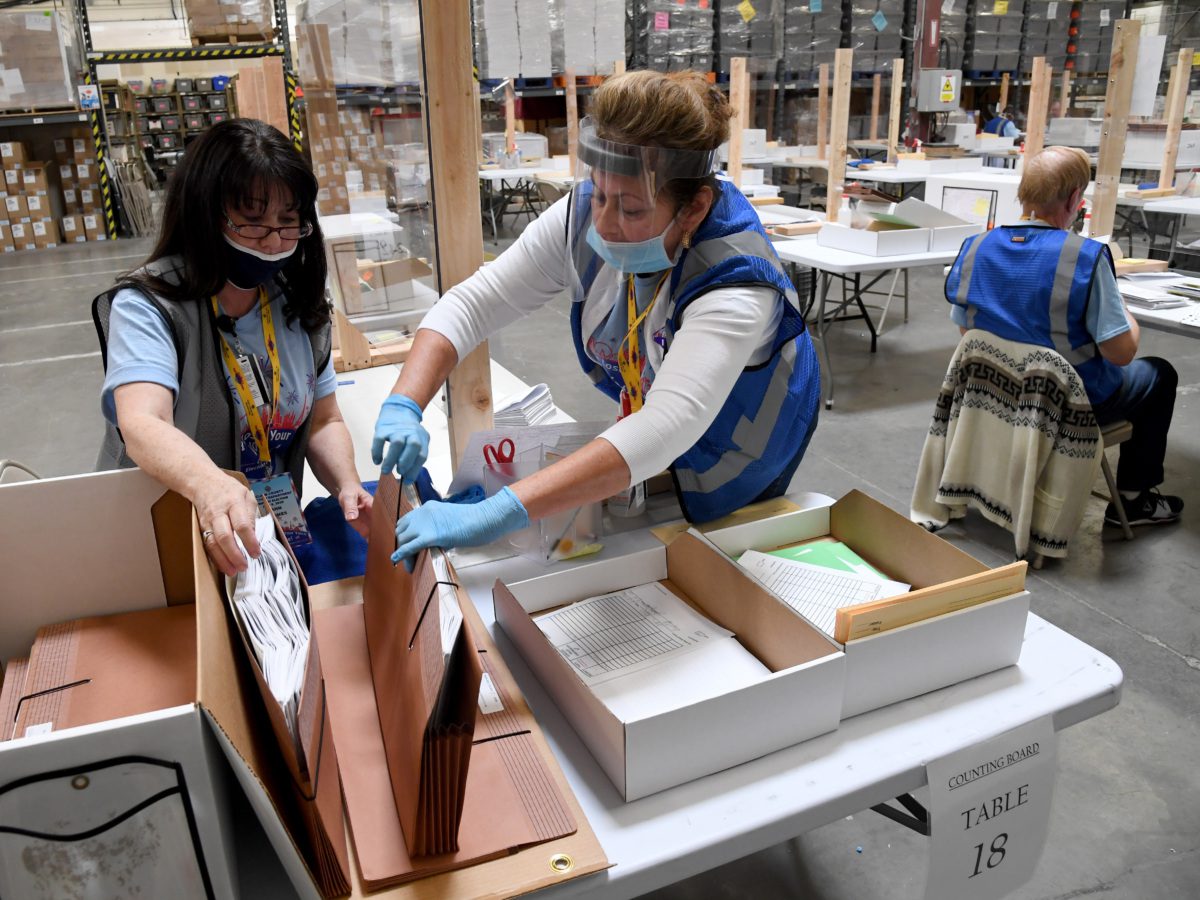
x: 628, y: 357
x: 253, y: 417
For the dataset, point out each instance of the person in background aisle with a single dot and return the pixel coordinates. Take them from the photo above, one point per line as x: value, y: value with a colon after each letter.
x: 217, y: 350
x: 1040, y: 284
x: 1002, y: 124
x: 681, y: 313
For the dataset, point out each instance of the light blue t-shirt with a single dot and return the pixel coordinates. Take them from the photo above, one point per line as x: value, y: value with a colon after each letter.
x: 1105, y: 315
x: 140, y: 348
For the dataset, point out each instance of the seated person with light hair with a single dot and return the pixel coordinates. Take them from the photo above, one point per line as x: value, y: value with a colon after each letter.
x: 1038, y: 283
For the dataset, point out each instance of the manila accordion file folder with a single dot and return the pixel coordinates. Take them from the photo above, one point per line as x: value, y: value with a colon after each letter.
x: 275, y: 587
x: 440, y: 769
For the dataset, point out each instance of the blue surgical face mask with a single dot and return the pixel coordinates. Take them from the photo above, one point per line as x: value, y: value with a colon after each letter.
x: 246, y: 268
x: 639, y: 258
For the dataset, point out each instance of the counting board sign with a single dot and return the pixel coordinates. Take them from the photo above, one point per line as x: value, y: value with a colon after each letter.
x: 989, y: 812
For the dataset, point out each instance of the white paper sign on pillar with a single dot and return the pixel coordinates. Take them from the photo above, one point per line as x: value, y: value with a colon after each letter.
x: 1151, y: 48
x: 989, y: 812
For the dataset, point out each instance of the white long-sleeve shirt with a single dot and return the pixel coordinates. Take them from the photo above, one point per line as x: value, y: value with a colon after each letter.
x: 721, y: 332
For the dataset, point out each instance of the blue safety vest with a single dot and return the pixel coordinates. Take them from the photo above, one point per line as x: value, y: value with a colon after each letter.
x: 766, y: 420
x: 1030, y: 283
x: 996, y: 125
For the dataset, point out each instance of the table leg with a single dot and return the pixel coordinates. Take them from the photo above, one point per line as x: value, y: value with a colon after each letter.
x: 822, y: 328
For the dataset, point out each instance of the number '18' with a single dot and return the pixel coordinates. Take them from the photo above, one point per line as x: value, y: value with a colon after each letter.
x: 995, y: 857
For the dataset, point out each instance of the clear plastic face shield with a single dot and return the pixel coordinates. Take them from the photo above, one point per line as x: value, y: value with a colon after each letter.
x: 622, y: 215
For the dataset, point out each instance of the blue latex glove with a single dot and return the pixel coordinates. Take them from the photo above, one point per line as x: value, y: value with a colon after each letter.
x: 439, y: 524
x: 399, y: 426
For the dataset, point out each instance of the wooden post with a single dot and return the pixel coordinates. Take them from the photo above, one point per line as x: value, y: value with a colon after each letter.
x: 737, y: 78
x: 894, y: 118
x: 843, y: 62
x: 619, y: 67
x: 477, y: 102
x: 454, y: 187
x: 1003, y: 93
x: 1177, y: 90
x: 572, y: 117
x: 822, y: 109
x: 510, y: 118
x: 1035, y: 119
x: 1064, y: 93
x: 876, y: 89
x: 1121, y: 69
x: 744, y: 102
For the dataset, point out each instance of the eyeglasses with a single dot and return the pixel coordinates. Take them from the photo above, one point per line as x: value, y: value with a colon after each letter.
x: 258, y: 232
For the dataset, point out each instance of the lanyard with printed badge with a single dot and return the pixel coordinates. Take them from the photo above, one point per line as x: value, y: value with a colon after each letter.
x: 628, y: 356
x: 246, y: 380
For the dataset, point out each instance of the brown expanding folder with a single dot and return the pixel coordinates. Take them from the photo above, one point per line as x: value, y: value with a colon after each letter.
x: 440, y: 769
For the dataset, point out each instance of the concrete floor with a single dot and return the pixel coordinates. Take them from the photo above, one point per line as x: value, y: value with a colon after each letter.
x: 1126, y: 820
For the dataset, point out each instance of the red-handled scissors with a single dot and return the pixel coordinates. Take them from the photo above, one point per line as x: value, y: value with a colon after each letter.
x: 500, y: 456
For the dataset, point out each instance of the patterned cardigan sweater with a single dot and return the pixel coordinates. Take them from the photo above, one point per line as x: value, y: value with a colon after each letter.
x: 1013, y: 436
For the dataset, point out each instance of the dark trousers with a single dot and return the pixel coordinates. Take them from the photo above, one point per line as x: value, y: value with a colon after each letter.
x: 1146, y: 398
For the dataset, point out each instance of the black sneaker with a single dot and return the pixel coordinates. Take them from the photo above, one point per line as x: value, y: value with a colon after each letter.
x: 1147, y: 508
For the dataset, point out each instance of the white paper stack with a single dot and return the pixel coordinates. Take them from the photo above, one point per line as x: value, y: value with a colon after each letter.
x: 269, y: 604
x: 530, y: 408
x: 1157, y: 290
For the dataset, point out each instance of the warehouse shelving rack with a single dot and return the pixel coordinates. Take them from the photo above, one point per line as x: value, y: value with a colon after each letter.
x: 280, y: 46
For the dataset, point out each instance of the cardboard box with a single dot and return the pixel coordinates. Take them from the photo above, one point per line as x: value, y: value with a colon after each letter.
x: 66, y: 173
x: 981, y: 630
x: 72, y: 228
x: 799, y: 699
x: 879, y: 240
x: 162, y: 564
x: 939, y: 166
x: 12, y: 181
x: 17, y: 206
x: 22, y: 235
x: 946, y: 231
x: 38, y: 206
x: 85, y: 173
x: 35, y: 178
x: 6, y: 238
x: 45, y: 233
x: 41, y: 58
x: 995, y: 187
x: 12, y: 152
x: 93, y: 227
x: 71, y: 199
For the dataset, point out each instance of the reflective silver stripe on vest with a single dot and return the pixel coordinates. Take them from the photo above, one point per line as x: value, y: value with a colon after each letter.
x: 964, y: 280
x: 710, y: 253
x: 751, y: 436
x: 1060, y: 302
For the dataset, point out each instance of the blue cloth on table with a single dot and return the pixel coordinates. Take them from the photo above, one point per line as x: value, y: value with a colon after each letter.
x: 337, y: 550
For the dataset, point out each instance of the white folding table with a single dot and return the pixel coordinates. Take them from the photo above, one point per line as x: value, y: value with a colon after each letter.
x: 888, y: 176
x: 1180, y: 208
x: 849, y: 268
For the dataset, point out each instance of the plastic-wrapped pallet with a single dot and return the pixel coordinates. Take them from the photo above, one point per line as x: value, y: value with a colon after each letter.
x: 218, y: 20
x: 672, y: 36
x: 750, y: 28
x: 1093, y: 49
x: 587, y: 35
x: 512, y: 38
x: 371, y: 42
x: 811, y: 33
x: 1046, y: 26
x: 997, y: 44
x: 38, y: 57
x: 952, y: 41
x: 875, y: 28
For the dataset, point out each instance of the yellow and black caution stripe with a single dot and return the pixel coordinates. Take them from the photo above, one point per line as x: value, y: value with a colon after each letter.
x: 106, y: 194
x: 213, y: 51
x: 289, y: 83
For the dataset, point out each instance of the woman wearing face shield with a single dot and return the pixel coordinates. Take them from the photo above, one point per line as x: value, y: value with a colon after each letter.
x: 217, y: 350
x: 681, y: 313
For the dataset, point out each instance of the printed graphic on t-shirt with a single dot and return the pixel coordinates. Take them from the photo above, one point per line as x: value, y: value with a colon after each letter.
x: 294, y: 407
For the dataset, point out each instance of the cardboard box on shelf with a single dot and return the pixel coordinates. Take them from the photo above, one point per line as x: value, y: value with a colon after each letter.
x: 38, y: 205
x: 93, y: 227
x: 85, y: 173
x: 17, y: 206
x: 12, y: 152
x: 35, y: 178
x: 45, y: 233
x: 66, y: 173
x: 72, y: 228
x: 89, y: 198
x: 12, y: 181
x: 800, y: 697
x: 961, y: 618
x: 71, y: 199
x: 22, y: 235
x: 6, y: 238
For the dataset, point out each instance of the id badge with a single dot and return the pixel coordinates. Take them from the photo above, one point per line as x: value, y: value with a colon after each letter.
x: 279, y: 495
x: 255, y: 381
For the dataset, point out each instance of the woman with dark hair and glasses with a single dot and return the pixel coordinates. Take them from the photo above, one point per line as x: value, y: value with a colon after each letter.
x: 217, y: 350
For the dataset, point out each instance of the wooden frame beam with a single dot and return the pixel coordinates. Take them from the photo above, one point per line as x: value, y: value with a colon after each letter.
x: 454, y: 188
x: 876, y: 90
x: 510, y: 118
x: 1040, y: 83
x: 822, y: 109
x: 1064, y: 93
x: 894, y: 118
x: 843, y: 64
x: 737, y: 89
x: 1121, y: 69
x: 1177, y: 91
x: 1003, y: 93
x: 572, y: 118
